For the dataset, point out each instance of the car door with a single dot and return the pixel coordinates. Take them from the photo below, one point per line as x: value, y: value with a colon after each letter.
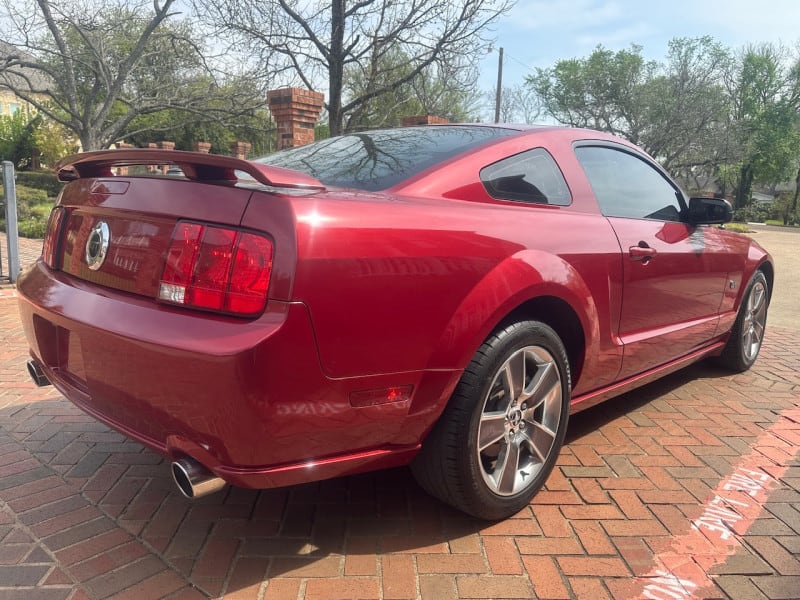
x: 674, y: 274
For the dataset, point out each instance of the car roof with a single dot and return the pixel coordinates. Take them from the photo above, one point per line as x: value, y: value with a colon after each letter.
x: 512, y: 126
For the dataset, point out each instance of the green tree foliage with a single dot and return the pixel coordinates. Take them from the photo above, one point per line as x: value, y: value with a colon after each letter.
x: 664, y: 108
x: 686, y: 107
x: 764, y: 87
x: 708, y: 114
x: 17, y: 137
x: 96, y: 69
x: 212, y: 122
x: 605, y: 91
x: 442, y: 91
x: 53, y: 141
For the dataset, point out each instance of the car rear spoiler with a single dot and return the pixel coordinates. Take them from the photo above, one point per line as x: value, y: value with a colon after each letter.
x: 196, y: 166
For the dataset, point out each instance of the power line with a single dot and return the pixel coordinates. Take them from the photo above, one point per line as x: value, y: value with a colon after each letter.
x: 519, y: 62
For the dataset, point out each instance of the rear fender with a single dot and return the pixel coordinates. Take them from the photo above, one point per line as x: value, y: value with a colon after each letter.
x: 526, y: 275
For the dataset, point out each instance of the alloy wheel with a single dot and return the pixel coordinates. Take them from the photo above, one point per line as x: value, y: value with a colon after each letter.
x: 519, y: 420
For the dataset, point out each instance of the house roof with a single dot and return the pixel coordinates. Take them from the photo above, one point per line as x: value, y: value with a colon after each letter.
x: 17, y: 78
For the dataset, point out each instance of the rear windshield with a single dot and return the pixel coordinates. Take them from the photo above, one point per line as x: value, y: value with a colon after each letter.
x: 376, y: 160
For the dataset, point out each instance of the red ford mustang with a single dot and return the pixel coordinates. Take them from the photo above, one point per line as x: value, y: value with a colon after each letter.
x: 441, y: 296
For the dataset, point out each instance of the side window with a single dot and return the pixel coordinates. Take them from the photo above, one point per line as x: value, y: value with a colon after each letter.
x: 627, y: 186
x: 531, y: 176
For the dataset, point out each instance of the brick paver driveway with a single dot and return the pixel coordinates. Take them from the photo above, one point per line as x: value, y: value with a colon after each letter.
x: 687, y: 488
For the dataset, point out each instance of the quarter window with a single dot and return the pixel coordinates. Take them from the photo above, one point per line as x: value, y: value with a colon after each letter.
x: 628, y: 186
x: 531, y: 176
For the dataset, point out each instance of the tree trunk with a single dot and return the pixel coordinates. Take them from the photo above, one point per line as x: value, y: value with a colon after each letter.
x: 89, y: 141
x: 336, y: 68
x: 742, y: 198
x: 793, y: 209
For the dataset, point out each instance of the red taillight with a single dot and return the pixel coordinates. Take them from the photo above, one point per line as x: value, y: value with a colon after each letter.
x: 52, y: 236
x: 252, y: 265
x: 212, y: 269
x: 217, y: 269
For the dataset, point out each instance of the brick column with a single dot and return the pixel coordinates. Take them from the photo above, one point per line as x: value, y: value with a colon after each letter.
x: 165, y: 146
x: 424, y: 120
x: 240, y: 149
x: 204, y: 147
x: 295, y: 111
x: 122, y: 146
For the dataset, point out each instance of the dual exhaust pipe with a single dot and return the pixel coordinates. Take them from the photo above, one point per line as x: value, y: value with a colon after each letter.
x: 191, y: 477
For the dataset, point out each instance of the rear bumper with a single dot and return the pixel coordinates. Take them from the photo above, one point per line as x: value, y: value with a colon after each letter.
x: 248, y: 399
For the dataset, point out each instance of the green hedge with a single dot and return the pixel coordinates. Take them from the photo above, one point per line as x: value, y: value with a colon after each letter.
x: 34, y: 229
x: 33, y: 209
x: 42, y: 180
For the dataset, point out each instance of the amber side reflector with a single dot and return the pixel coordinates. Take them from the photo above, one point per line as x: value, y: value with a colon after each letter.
x: 381, y: 396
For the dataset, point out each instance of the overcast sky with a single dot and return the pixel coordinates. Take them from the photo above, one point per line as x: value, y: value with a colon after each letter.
x: 537, y: 33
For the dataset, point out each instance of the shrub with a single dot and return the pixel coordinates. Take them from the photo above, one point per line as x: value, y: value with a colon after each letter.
x: 33, y: 209
x: 27, y: 199
x: 32, y: 228
x: 738, y: 227
x: 41, y: 180
x: 755, y: 213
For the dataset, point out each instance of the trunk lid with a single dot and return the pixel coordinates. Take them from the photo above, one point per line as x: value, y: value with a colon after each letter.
x: 138, y: 215
x: 117, y: 215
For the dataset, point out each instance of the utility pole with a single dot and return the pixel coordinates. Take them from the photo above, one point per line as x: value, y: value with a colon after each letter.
x: 497, y: 97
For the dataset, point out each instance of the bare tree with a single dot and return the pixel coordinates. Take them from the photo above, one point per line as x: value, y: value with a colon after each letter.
x: 95, y: 71
x: 443, y: 90
x: 314, y: 42
x: 518, y: 104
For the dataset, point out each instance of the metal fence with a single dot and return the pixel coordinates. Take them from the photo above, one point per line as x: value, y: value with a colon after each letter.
x: 9, y: 204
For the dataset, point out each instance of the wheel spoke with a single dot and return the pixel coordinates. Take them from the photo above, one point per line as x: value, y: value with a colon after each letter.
x: 492, y: 429
x: 748, y: 341
x: 757, y: 298
x: 541, y: 439
x: 507, y: 468
x: 542, y: 385
x: 758, y: 331
x: 514, y: 375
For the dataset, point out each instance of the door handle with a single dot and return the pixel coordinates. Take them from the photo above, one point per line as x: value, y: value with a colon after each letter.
x: 642, y: 252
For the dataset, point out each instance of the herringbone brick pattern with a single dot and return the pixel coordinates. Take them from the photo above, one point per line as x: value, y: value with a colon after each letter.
x: 29, y: 250
x: 86, y: 514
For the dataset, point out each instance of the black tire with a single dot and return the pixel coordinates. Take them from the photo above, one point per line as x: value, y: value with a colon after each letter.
x: 522, y: 426
x: 748, y: 330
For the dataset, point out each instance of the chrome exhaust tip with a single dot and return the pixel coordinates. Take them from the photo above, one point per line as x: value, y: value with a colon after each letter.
x: 36, y: 373
x: 194, y: 480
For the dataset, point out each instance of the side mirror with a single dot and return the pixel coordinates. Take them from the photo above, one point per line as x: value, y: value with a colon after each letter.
x: 709, y: 211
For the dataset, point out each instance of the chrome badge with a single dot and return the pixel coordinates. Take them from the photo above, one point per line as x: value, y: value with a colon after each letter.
x: 97, y: 245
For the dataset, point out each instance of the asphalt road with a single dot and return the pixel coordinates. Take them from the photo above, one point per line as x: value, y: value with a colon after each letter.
x: 784, y: 245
